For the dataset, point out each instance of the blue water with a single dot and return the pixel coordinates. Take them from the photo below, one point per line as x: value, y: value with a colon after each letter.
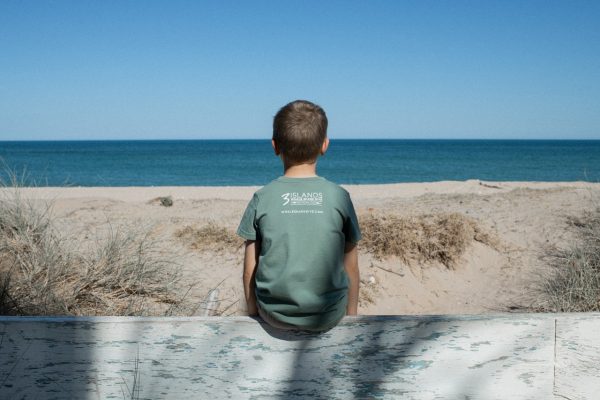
x: 252, y: 162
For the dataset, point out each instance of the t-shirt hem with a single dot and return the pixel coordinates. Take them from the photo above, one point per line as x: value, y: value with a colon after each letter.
x: 314, y: 328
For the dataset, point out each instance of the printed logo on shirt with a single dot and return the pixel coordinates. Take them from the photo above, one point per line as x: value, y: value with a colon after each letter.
x: 302, y: 198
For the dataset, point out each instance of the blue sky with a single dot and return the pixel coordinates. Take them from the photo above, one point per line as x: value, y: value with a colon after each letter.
x: 397, y: 69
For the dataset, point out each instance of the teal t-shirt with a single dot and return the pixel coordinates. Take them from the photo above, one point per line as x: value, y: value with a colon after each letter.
x: 303, y: 225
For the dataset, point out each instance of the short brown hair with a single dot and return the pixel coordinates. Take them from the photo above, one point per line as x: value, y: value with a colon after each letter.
x: 299, y: 130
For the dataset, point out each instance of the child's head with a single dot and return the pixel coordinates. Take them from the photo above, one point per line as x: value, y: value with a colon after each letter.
x: 300, y: 131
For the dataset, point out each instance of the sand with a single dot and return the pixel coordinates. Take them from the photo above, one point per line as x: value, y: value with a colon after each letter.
x: 525, y: 217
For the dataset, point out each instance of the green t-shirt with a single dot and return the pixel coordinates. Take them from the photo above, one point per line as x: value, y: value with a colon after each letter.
x: 303, y: 225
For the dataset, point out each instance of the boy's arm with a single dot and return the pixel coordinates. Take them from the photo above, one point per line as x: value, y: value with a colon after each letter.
x: 250, y: 263
x: 351, y: 267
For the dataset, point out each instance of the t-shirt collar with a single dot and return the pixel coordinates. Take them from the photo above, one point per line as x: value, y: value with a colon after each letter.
x: 284, y: 178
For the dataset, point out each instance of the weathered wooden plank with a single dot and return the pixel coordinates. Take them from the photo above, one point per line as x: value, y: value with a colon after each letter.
x: 425, y: 357
x: 577, y: 373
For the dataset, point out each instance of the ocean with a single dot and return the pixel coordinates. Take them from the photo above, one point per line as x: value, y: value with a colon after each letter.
x: 252, y: 162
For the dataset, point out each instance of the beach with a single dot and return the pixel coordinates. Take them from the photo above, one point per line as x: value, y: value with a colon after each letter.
x: 521, y: 221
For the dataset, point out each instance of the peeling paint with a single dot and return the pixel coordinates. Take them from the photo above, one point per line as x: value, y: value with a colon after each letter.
x: 418, y: 357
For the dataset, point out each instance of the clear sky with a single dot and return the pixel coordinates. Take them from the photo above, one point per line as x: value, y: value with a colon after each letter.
x: 380, y: 69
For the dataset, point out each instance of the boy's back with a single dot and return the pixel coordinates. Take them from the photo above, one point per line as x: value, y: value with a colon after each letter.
x: 302, y: 225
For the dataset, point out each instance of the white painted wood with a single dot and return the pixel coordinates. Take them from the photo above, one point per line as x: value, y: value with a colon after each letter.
x: 577, y: 357
x: 506, y: 356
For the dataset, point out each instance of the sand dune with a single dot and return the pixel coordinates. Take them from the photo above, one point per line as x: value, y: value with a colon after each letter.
x: 524, y: 217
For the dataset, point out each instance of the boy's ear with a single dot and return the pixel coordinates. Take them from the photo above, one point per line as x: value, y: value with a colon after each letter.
x: 325, y: 146
x: 275, y: 147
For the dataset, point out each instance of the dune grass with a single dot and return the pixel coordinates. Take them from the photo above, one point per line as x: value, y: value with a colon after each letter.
x: 45, y: 272
x: 211, y: 236
x: 573, y: 282
x: 432, y: 237
x: 442, y: 237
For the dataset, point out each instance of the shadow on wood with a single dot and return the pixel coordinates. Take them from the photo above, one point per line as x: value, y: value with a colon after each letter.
x: 414, y: 357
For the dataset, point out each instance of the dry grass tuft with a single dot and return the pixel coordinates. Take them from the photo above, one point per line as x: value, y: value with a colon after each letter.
x: 43, y: 272
x: 125, y: 270
x: 210, y: 237
x: 573, y: 284
x: 423, y: 238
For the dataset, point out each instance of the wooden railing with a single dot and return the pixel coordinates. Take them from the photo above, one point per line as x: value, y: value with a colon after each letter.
x: 501, y: 356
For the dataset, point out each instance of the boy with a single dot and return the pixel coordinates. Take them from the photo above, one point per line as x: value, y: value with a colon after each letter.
x: 300, y: 262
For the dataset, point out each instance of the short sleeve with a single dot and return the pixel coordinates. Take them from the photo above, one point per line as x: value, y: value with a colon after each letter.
x: 248, y: 228
x: 351, y: 227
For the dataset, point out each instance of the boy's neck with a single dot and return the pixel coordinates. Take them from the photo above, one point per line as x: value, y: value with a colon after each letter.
x: 301, y: 170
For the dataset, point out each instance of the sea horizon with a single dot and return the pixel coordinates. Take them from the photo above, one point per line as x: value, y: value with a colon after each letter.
x: 251, y: 162
x: 332, y: 139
